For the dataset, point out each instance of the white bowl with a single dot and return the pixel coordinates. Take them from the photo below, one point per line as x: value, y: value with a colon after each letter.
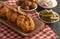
x: 50, y: 22
x: 54, y: 5
x: 19, y: 8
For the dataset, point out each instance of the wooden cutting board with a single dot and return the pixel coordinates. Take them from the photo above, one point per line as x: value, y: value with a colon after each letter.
x: 38, y: 25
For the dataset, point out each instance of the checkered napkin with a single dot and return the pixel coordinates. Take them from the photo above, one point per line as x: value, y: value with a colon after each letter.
x: 44, y: 33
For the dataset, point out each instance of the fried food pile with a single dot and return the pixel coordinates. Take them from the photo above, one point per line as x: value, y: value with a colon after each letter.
x: 27, y: 4
x: 21, y: 19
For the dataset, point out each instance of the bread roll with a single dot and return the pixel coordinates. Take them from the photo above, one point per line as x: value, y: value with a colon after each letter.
x: 26, y: 8
x: 33, y: 5
x: 3, y: 11
x: 28, y: 3
x: 14, y: 17
x: 34, y: 1
x: 8, y: 15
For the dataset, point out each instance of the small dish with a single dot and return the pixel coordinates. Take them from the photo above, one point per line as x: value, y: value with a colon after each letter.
x: 46, y: 5
x: 52, y: 21
x: 19, y: 8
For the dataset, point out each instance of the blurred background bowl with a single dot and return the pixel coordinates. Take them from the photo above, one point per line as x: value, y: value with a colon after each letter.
x: 50, y: 22
x: 47, y: 7
x: 20, y: 8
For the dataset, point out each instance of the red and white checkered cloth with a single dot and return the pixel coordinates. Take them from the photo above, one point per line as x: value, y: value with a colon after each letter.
x: 45, y: 33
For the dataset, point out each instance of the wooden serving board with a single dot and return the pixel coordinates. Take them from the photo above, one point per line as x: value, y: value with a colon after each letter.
x: 38, y: 25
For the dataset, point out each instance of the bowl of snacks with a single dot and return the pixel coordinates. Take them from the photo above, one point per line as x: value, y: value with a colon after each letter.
x: 47, y: 4
x: 28, y: 5
x: 49, y: 16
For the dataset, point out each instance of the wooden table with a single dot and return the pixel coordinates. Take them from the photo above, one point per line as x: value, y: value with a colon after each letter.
x: 55, y: 26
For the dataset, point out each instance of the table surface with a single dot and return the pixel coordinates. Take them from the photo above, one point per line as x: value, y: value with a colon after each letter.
x: 55, y: 26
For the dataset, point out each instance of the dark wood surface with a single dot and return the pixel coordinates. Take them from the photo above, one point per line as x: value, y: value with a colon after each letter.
x: 55, y: 26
